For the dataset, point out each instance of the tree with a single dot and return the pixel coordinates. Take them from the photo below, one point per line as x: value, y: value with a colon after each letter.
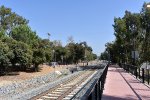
x: 145, y: 19
x: 57, y: 43
x: 104, y: 56
x: 38, y: 58
x: 42, y: 53
x: 5, y: 54
x: 22, y: 55
x: 20, y: 47
x: 9, y: 20
x: 79, y: 52
x: 122, y: 38
x: 2, y: 33
x: 75, y: 52
x: 45, y: 44
x: 132, y: 33
x: 88, y: 55
x: 60, y: 53
x: 94, y: 56
x: 24, y: 33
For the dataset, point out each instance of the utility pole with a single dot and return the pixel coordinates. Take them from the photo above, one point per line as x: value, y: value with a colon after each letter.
x: 49, y: 36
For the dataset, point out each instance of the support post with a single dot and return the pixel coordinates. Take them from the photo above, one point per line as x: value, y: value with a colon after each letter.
x: 136, y: 72
x: 148, y: 76
x: 143, y: 75
x: 98, y: 91
x: 139, y: 73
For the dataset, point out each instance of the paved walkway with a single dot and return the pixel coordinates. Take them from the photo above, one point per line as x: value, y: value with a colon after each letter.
x: 121, y: 85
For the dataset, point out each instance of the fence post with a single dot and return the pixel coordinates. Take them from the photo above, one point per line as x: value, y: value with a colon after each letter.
x: 128, y: 68
x: 143, y: 75
x: 123, y: 66
x: 100, y: 85
x: 139, y: 73
x: 95, y: 92
x: 148, y: 76
x: 136, y: 72
x: 98, y: 90
x: 90, y: 97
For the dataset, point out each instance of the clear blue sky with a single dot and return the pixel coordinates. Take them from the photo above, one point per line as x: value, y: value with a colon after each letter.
x: 85, y: 20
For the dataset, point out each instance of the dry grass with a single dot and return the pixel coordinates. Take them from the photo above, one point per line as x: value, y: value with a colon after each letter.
x: 21, y: 76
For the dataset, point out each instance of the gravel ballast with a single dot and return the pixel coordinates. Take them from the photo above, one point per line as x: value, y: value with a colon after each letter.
x: 32, y: 87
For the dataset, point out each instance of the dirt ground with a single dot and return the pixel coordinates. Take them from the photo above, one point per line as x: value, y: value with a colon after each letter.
x: 21, y: 76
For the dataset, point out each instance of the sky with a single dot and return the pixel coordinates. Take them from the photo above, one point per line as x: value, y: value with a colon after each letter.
x: 84, y: 20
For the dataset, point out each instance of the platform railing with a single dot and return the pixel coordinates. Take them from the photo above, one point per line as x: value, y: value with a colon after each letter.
x: 93, y: 89
x: 140, y: 73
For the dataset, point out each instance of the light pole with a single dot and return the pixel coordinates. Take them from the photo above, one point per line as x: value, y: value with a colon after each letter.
x: 84, y: 54
x: 53, y: 55
x: 49, y: 36
x: 54, y: 61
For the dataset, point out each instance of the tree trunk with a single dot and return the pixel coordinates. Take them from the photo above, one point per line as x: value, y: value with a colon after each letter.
x: 36, y: 67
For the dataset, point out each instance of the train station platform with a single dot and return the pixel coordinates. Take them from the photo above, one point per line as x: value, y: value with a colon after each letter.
x: 121, y: 85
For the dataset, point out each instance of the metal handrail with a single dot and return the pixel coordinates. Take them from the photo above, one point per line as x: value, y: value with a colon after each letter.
x: 138, y: 72
x: 82, y: 88
x: 94, y: 80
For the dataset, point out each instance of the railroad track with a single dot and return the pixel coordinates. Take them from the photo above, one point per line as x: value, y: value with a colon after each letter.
x: 67, y: 89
